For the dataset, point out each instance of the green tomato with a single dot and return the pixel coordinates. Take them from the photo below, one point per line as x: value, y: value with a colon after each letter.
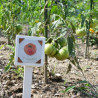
x: 81, y: 32
x: 55, y: 43
x: 50, y: 50
x: 93, y: 23
x: 18, y: 28
x: 62, y: 54
x: 62, y: 41
x: 58, y: 56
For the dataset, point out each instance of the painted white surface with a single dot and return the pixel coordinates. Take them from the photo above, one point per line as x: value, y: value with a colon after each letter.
x: 27, y: 82
x: 29, y: 60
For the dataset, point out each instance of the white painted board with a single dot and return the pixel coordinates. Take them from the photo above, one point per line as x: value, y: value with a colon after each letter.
x: 29, y: 50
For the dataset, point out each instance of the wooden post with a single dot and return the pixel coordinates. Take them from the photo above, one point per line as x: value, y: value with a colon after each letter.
x: 87, y: 40
x: 87, y: 30
x: 27, y: 82
x: 46, y: 35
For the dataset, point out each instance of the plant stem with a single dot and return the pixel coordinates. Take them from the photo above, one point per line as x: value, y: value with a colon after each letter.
x: 87, y: 39
x: 46, y: 35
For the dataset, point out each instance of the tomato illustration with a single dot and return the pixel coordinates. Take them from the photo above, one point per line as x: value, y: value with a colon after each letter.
x: 30, y: 49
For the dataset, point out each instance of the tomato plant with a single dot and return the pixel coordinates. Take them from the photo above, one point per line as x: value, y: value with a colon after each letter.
x: 10, y: 13
x: 60, y: 21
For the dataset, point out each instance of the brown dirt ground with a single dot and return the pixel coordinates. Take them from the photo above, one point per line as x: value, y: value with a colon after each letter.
x: 11, y: 84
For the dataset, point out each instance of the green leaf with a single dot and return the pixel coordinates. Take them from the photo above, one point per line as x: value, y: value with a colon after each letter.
x: 82, y: 81
x: 78, y: 66
x: 65, y: 82
x: 56, y: 23
x: 36, y: 28
x: 73, y: 62
x: 69, y: 68
x: 7, y: 67
x: 1, y: 47
x: 83, y: 20
x: 73, y: 27
x: 69, y: 88
x: 71, y: 46
x: 82, y: 88
x: 11, y: 47
x: 76, y: 60
x: 95, y: 0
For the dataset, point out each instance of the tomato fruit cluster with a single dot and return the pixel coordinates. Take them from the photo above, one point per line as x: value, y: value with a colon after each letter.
x: 57, y: 48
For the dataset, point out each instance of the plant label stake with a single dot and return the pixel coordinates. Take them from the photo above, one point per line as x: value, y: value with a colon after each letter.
x: 29, y: 52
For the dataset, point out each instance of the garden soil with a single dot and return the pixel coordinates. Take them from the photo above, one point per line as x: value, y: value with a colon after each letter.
x: 11, y: 85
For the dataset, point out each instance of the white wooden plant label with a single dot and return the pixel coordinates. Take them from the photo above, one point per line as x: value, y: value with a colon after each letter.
x: 29, y: 52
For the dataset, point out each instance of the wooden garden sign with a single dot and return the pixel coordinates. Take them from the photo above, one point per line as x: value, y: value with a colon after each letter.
x: 29, y: 52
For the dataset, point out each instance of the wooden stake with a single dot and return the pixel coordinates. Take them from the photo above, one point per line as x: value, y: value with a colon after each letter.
x: 27, y: 82
x: 46, y: 35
